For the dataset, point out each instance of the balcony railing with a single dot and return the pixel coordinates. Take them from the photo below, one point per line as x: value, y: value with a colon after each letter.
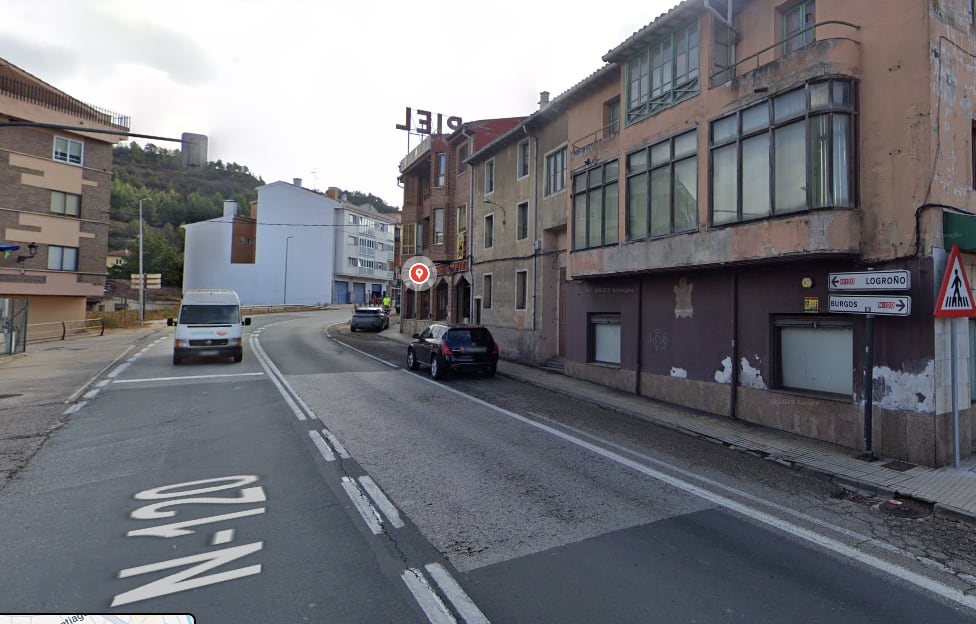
x: 415, y: 154
x: 733, y: 72
x: 41, y: 96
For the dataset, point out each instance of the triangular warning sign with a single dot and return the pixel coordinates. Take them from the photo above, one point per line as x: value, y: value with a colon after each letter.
x: 955, y: 296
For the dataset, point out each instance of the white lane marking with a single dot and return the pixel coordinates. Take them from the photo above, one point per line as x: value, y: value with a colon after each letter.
x: 77, y: 393
x: 90, y: 394
x: 74, y: 408
x: 340, y: 450
x: 222, y: 537
x: 823, y: 541
x: 118, y: 370
x: 434, y: 608
x: 466, y: 607
x: 388, y: 508
x: 359, y: 500
x: 277, y: 379
x: 321, y: 446
x: 184, y: 377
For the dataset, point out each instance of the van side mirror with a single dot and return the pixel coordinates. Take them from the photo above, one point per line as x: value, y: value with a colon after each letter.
x: 247, y: 320
x: 170, y: 322
x: 416, y: 335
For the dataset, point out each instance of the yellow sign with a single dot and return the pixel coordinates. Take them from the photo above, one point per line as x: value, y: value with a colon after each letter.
x: 460, y: 248
x: 811, y: 304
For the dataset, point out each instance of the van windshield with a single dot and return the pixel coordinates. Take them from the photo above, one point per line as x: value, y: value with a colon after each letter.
x: 210, y: 315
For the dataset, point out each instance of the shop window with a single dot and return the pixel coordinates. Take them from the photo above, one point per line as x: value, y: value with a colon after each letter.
x: 604, y: 338
x: 815, y: 355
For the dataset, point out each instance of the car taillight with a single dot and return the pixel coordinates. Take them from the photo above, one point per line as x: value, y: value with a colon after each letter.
x: 494, y: 349
x: 446, y: 350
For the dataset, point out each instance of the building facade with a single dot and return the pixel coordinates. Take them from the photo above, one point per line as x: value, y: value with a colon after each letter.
x: 295, y: 249
x: 436, y: 219
x: 55, y: 188
x: 762, y: 147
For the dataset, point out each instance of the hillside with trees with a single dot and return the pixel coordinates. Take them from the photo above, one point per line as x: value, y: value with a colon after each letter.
x: 173, y: 196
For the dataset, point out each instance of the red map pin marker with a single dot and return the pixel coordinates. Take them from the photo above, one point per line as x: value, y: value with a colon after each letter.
x: 419, y: 273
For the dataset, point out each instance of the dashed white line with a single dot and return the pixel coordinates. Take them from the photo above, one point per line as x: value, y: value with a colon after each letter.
x: 466, y: 608
x: 388, y: 508
x: 359, y: 500
x: 434, y: 608
x: 321, y: 446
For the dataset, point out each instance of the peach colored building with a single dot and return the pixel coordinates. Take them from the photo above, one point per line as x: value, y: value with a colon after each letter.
x: 54, y: 192
x: 764, y: 146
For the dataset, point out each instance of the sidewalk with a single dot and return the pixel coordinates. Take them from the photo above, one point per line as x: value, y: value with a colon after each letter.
x: 36, y: 388
x: 951, y: 491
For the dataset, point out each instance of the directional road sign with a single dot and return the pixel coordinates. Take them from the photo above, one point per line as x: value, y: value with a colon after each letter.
x: 871, y: 280
x: 882, y: 305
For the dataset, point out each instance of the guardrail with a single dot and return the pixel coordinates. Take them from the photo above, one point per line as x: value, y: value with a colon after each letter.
x: 62, y: 330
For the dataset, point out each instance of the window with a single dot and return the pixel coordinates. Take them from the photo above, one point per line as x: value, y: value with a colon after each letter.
x: 462, y: 218
x: 67, y: 204
x: 664, y: 74
x: 353, y: 262
x: 611, y: 117
x: 789, y: 153
x: 798, y: 24
x: 490, y: 177
x: 420, y: 238
x: 408, y: 239
x: 723, y: 52
x: 62, y: 258
x: 556, y: 171
x: 489, y: 231
x: 462, y: 156
x: 441, y: 169
x: 438, y: 226
x: 604, y: 338
x: 522, y: 221
x: 69, y: 150
x: 596, y: 206
x: 522, y: 164
x: 486, y: 292
x: 815, y: 354
x: 662, y: 188
x: 521, y: 288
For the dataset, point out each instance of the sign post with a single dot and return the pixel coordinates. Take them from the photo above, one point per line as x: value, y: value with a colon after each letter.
x: 870, y: 306
x: 955, y: 301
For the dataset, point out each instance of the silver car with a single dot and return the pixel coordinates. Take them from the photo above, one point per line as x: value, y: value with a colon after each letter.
x: 371, y: 317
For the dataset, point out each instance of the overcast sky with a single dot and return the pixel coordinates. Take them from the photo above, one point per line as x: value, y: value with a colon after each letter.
x: 313, y: 89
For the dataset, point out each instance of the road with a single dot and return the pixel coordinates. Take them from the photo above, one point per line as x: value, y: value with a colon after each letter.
x: 321, y: 481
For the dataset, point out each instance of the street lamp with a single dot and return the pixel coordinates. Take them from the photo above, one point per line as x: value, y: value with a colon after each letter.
x: 142, y: 276
x: 284, y: 298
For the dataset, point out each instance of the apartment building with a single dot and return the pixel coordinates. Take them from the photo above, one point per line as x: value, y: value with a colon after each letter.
x: 55, y: 187
x: 436, y: 220
x: 763, y: 146
x: 520, y: 229
x: 364, y: 252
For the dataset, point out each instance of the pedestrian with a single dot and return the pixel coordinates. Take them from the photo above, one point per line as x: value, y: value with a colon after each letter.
x: 386, y: 303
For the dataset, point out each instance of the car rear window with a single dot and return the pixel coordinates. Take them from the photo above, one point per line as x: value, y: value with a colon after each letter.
x: 468, y: 338
x: 371, y: 312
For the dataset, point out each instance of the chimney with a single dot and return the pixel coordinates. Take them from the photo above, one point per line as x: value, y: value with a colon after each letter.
x: 230, y: 208
x: 297, y: 182
x: 543, y: 99
x: 333, y: 193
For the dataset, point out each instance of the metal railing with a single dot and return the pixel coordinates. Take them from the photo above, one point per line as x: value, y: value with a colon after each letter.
x: 733, y: 69
x: 47, y: 98
x: 62, y: 330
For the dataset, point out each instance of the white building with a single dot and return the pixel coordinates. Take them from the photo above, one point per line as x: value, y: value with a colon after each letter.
x: 289, y: 250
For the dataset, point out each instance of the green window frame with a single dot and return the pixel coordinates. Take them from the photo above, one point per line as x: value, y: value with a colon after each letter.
x: 662, y: 187
x: 798, y: 22
x: 596, y: 206
x: 664, y: 74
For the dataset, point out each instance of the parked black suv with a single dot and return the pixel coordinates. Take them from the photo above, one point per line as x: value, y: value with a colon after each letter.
x: 453, y: 348
x: 369, y: 318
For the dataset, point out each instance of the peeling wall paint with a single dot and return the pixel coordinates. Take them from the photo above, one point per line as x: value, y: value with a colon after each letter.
x: 679, y: 372
x: 896, y: 390
x: 724, y: 376
x: 682, y: 299
x: 751, y: 377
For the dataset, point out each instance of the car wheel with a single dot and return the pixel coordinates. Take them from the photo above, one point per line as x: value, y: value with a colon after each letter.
x: 412, y: 362
x: 352, y: 329
x: 238, y: 358
x: 177, y: 360
x: 437, y: 370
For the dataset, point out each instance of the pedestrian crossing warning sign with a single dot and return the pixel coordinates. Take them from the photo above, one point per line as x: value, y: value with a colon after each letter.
x: 955, y: 296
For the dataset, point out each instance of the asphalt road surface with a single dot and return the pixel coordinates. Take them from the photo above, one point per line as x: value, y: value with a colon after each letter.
x: 321, y: 481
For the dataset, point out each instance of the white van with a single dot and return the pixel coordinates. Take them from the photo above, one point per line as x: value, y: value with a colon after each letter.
x: 209, y: 325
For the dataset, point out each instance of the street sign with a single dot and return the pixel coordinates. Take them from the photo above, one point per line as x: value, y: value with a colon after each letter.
x: 871, y: 280
x: 882, y: 305
x: 955, y: 296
